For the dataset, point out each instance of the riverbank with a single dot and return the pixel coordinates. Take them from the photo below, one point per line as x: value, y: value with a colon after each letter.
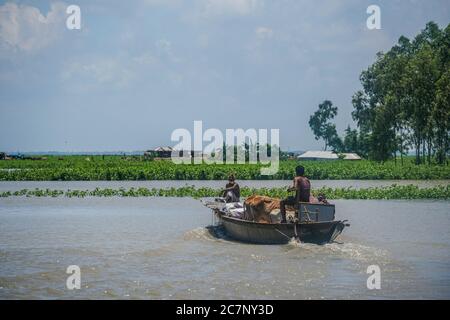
x: 390, y: 192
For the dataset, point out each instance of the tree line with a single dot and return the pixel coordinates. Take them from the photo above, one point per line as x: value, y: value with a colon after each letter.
x: 404, y: 103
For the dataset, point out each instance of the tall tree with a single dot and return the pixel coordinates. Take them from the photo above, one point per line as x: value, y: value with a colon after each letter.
x: 419, y: 80
x: 404, y: 100
x: 351, y: 143
x: 321, y: 125
x: 441, y: 116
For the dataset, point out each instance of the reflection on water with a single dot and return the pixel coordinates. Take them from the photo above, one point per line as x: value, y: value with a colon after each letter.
x: 160, y: 248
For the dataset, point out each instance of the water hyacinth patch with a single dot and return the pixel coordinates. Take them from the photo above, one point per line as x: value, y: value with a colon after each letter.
x: 391, y: 192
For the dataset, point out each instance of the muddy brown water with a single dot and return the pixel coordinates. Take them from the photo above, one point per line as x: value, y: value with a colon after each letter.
x: 159, y: 248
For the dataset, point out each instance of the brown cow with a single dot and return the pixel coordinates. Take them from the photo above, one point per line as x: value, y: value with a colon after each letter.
x: 264, y: 209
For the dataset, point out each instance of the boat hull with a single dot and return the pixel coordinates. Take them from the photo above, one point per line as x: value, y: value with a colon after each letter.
x: 281, y: 233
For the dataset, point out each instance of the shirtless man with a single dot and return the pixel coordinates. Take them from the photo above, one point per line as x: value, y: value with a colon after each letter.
x: 302, y: 188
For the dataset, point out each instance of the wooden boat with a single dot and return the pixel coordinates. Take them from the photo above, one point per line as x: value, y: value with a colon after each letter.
x: 308, y: 230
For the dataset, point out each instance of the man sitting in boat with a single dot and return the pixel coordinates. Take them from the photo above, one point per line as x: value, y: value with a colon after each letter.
x: 302, y: 188
x: 232, y: 192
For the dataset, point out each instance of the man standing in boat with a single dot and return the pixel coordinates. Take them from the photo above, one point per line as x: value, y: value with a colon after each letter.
x: 302, y: 188
x: 232, y: 192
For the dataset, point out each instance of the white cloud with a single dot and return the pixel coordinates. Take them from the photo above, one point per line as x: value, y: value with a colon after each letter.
x: 145, y: 59
x: 240, y: 7
x: 102, y: 71
x: 164, y: 47
x: 194, y: 11
x: 165, y: 52
x: 25, y: 28
x: 94, y: 71
x: 210, y: 7
x: 259, y: 48
x: 168, y: 3
x: 264, y: 33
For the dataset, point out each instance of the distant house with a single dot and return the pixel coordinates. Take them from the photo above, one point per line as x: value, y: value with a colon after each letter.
x: 351, y: 156
x: 166, y: 152
x: 318, y: 155
x: 159, y: 152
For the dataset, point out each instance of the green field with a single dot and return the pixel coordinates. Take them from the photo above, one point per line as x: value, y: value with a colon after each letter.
x: 71, y: 168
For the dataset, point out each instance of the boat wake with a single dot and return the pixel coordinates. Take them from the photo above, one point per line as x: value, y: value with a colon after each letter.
x: 351, y: 250
x: 210, y: 233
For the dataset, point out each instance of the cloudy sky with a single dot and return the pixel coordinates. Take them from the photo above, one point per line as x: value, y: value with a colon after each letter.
x: 137, y: 70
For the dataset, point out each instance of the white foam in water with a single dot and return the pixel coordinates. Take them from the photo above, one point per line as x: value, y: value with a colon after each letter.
x: 206, y: 233
x: 198, y: 233
x: 294, y: 243
x: 355, y: 250
x: 345, y: 249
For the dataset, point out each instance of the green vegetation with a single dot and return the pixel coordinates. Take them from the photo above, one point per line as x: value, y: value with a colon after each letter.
x: 322, y: 128
x: 72, y: 168
x: 392, y: 192
x: 404, y: 103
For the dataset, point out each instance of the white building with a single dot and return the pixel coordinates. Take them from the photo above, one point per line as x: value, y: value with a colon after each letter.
x: 318, y: 155
x: 351, y: 156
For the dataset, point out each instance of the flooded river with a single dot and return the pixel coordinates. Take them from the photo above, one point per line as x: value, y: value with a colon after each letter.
x: 159, y: 248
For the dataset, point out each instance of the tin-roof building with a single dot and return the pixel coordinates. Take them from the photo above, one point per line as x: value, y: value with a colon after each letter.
x: 328, y: 155
x: 318, y: 155
x: 159, y: 152
x: 351, y: 156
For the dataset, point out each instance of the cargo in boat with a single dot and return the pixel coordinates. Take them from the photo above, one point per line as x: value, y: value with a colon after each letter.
x: 314, y: 224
